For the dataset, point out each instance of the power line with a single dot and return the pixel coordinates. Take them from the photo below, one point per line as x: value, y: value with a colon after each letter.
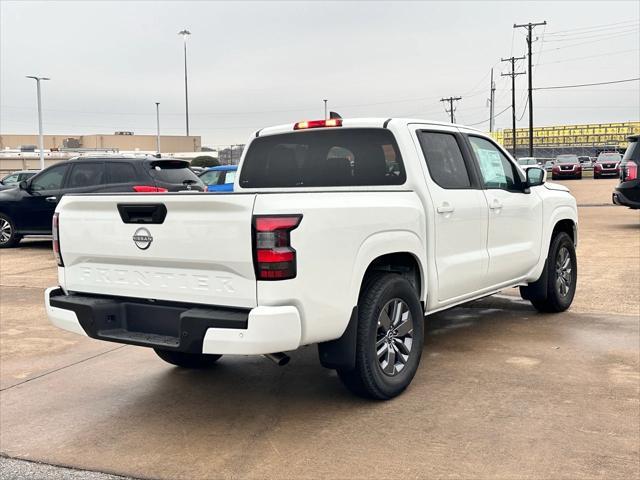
x: 592, y: 41
x: 588, y: 84
x: 484, y: 121
x: 607, y: 54
x: 595, y: 27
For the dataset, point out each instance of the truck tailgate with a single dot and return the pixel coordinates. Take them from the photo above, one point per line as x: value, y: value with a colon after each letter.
x: 201, y: 252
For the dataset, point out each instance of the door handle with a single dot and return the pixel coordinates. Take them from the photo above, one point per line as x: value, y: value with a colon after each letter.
x: 52, y: 199
x: 445, y: 207
x: 495, y: 204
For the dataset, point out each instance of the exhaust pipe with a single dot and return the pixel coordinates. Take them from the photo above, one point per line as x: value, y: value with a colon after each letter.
x: 279, y: 358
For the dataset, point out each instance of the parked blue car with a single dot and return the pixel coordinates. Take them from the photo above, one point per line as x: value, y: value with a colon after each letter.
x: 219, y: 179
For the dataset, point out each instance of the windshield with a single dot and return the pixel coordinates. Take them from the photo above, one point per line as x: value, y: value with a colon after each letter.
x: 323, y: 158
x: 609, y: 157
x: 567, y: 159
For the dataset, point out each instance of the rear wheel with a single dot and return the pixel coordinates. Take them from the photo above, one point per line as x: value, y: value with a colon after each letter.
x: 187, y: 360
x: 596, y: 176
x: 556, y: 287
x: 579, y: 177
x: 389, y: 339
x: 8, y: 236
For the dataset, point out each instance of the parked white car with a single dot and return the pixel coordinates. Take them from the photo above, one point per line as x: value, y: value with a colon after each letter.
x: 341, y: 233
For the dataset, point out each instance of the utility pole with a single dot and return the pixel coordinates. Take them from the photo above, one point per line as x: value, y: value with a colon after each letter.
x: 185, y: 34
x: 530, y: 26
x: 492, y: 98
x: 158, y: 128
x: 451, y: 109
x: 40, y: 135
x: 325, y: 108
x: 513, y: 75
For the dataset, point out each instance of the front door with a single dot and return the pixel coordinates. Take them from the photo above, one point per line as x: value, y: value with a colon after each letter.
x: 459, y: 215
x: 38, y: 205
x: 515, y: 215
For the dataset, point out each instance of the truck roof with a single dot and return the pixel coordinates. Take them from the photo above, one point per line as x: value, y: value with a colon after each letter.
x: 372, y: 122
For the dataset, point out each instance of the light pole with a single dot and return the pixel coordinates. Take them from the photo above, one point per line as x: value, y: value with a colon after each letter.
x: 41, y: 137
x: 325, y: 108
x: 185, y: 33
x: 158, y: 128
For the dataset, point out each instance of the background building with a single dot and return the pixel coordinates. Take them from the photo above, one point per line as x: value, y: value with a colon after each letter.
x: 586, y: 139
x: 118, y: 141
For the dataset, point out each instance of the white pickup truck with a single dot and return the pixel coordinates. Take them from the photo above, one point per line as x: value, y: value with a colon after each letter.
x: 341, y: 233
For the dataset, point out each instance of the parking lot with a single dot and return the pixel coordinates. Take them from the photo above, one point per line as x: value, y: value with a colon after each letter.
x: 502, y: 391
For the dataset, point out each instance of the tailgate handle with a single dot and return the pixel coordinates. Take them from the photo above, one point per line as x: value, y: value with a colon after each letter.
x: 151, y: 213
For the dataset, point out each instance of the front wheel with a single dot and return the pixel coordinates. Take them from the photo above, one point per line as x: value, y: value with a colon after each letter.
x: 389, y: 339
x: 187, y: 360
x: 8, y: 236
x: 554, y: 291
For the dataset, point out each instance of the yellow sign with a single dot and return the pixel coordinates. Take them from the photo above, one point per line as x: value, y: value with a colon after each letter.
x: 598, y: 134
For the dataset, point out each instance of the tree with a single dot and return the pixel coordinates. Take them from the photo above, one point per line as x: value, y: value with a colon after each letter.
x: 205, y: 161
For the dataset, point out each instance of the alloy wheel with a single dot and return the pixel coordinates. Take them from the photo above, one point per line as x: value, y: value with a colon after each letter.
x: 394, y: 336
x: 5, y: 230
x: 563, y: 272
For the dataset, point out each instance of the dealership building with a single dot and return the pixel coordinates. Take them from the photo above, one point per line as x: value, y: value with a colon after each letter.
x: 118, y: 141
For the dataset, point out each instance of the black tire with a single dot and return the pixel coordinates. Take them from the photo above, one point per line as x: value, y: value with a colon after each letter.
x: 187, y: 360
x: 596, y: 176
x: 553, y: 177
x: 368, y: 379
x: 8, y: 236
x: 579, y: 177
x: 547, y: 294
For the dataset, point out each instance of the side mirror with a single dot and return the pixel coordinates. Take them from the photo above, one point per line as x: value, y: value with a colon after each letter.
x: 23, y: 185
x: 535, y: 176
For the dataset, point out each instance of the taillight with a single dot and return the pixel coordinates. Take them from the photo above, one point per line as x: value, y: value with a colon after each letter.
x: 630, y: 171
x: 332, y: 122
x: 273, y: 256
x: 148, y: 189
x: 55, y: 231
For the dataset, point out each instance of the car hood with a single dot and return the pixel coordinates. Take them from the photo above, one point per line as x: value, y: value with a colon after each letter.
x: 556, y: 186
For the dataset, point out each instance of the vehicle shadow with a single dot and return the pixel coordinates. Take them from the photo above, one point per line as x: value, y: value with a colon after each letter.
x: 35, y: 244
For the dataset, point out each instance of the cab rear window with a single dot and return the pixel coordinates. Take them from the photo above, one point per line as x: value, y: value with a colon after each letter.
x: 327, y: 158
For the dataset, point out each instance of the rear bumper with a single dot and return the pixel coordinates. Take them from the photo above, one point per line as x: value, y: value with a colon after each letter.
x: 619, y: 198
x: 173, y: 326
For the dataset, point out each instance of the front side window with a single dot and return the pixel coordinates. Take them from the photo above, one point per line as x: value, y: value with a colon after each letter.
x: 50, y: 179
x: 323, y: 158
x: 495, y: 168
x: 86, y: 175
x: 444, y: 159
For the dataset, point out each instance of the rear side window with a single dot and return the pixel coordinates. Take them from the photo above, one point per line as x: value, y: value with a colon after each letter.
x: 444, y: 160
x: 230, y: 177
x: 631, y: 149
x: 121, y: 172
x: 86, y: 175
x: 327, y: 158
x: 173, y: 172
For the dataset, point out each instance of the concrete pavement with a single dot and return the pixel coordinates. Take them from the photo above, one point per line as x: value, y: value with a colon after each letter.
x: 502, y: 391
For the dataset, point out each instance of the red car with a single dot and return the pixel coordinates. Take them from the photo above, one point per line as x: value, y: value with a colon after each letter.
x: 607, y: 164
x: 566, y: 166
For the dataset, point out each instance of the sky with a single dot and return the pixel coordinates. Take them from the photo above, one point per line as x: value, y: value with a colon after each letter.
x: 255, y: 64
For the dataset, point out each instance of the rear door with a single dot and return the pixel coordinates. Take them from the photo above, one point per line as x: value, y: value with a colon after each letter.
x: 460, y: 213
x: 183, y: 247
x: 85, y: 177
x: 515, y: 214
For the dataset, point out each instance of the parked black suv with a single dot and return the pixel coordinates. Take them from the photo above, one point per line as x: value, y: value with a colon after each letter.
x: 627, y: 192
x: 28, y: 209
